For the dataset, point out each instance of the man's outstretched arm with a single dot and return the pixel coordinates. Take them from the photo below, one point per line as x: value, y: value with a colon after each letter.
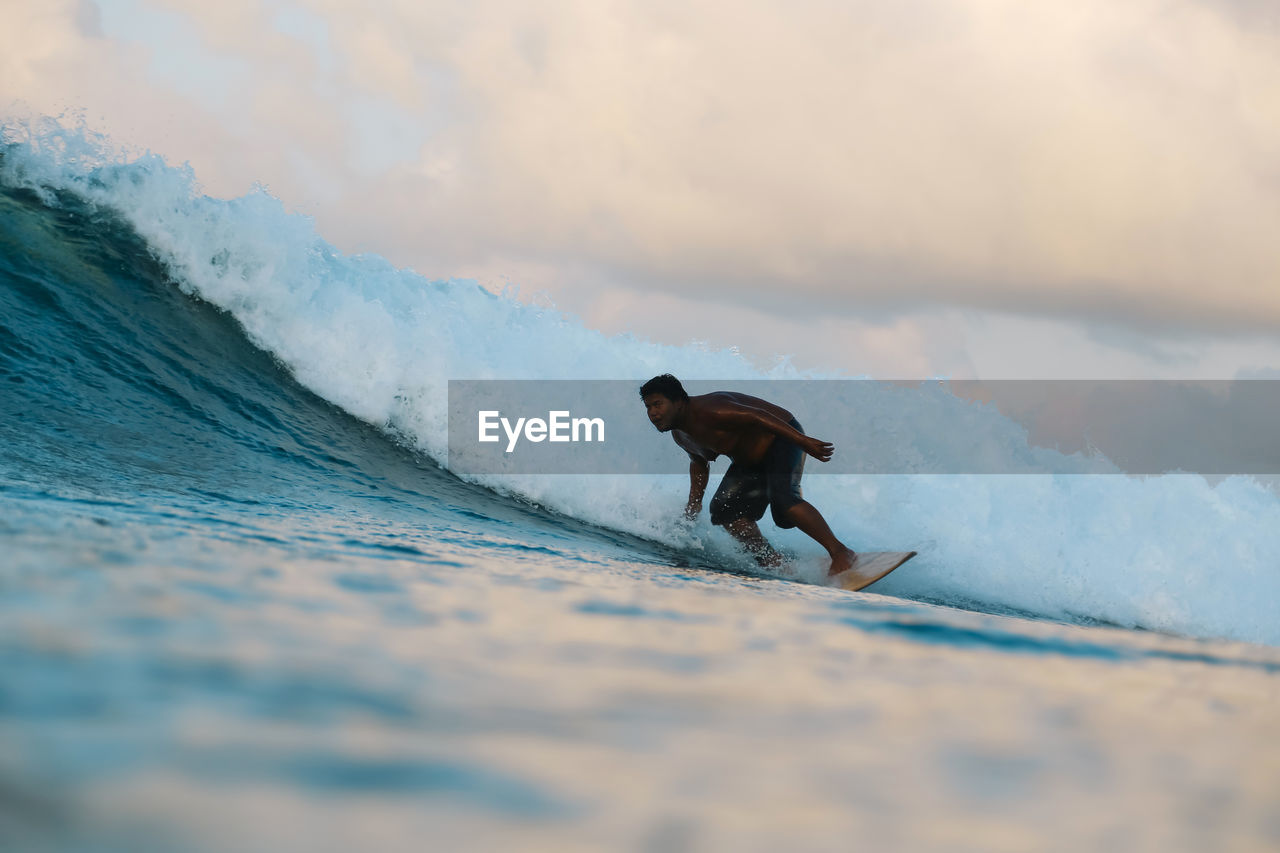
x: 748, y: 416
x: 699, y: 473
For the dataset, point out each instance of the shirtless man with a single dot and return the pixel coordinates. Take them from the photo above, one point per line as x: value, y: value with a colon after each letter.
x: 767, y: 446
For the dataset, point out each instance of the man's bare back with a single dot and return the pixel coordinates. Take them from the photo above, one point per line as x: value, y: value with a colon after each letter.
x: 726, y: 423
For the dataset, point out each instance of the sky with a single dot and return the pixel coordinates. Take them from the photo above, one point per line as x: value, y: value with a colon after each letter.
x: 893, y: 188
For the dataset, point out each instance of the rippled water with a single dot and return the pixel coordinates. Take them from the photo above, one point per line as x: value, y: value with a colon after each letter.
x: 363, y: 682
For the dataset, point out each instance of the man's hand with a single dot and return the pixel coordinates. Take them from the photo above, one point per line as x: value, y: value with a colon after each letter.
x: 817, y: 448
x: 691, y: 510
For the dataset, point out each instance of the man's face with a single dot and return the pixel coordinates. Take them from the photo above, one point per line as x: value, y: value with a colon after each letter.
x: 661, y: 411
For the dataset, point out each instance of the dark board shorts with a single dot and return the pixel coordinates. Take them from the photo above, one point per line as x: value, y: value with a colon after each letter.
x: 773, y: 482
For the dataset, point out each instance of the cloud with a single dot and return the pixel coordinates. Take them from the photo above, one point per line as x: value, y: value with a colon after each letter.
x: 1084, y: 160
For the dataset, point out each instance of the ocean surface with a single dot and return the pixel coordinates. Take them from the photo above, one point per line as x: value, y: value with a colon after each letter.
x: 244, y: 606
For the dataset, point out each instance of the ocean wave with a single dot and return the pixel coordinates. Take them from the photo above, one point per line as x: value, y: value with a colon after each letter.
x: 1172, y: 553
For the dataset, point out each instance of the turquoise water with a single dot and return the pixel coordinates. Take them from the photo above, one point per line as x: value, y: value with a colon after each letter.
x: 242, y: 606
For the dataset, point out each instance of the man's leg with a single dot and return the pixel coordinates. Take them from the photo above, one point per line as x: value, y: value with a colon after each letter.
x: 748, y: 534
x: 738, y: 502
x: 805, y: 516
x: 784, y: 463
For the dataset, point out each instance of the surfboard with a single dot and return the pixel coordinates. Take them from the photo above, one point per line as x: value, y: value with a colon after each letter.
x: 868, y: 567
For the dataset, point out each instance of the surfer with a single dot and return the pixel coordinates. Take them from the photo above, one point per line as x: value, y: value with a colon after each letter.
x: 767, y: 447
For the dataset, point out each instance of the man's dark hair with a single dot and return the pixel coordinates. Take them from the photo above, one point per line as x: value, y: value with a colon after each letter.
x: 666, y: 385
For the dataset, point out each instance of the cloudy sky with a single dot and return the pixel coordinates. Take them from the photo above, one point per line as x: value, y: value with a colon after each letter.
x: 900, y: 188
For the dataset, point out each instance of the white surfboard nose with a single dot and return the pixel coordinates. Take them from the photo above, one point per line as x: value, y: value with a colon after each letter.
x: 868, y: 567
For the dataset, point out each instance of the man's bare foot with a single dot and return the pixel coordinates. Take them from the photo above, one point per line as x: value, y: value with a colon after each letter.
x: 842, y: 561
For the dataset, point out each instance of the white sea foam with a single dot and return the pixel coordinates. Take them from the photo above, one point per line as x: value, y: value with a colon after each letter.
x: 1170, y: 553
